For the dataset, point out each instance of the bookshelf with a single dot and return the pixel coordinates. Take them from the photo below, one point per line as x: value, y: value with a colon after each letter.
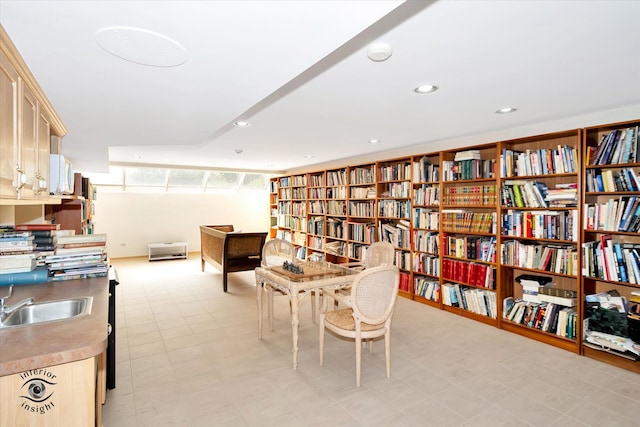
x: 468, y: 225
x: 335, y: 242
x: 75, y: 212
x: 425, y: 225
x: 394, y: 190
x: 472, y: 225
x: 273, y: 208
x: 361, y: 209
x: 610, y: 240
x: 540, y: 222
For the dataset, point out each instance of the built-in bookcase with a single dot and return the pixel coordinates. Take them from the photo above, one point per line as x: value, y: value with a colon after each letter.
x: 539, y: 234
x: 518, y: 234
x: 394, y: 192
x: 361, y: 209
x: 610, y: 241
x: 425, y: 227
x: 468, y: 226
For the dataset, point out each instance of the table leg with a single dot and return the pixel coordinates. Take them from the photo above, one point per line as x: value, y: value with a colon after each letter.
x: 295, y: 321
x: 259, y: 289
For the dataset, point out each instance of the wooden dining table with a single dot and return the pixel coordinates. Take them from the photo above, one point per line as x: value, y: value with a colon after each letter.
x: 315, y: 276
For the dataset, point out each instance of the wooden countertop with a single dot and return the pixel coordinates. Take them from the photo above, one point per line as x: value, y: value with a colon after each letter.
x: 37, y: 346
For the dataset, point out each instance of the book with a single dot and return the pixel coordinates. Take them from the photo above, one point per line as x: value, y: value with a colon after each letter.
x: 82, y: 238
x: 29, y: 227
x: 37, y: 275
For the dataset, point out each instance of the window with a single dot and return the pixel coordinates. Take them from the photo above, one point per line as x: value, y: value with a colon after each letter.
x: 151, y: 179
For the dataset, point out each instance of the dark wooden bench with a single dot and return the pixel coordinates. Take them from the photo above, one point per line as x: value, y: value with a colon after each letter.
x: 229, y: 251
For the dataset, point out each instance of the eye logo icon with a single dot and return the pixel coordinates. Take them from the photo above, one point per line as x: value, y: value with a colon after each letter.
x: 37, y: 389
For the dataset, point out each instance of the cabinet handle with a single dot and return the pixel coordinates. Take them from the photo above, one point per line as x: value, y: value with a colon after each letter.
x: 41, y: 184
x: 22, y: 179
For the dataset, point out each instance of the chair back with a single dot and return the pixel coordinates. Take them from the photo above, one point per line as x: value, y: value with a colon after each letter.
x: 277, y: 251
x: 379, y: 253
x: 374, y: 292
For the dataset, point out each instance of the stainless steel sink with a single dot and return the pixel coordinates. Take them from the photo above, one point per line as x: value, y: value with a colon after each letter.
x: 48, y: 311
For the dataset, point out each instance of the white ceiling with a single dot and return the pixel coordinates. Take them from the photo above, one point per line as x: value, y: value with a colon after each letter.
x: 299, y: 73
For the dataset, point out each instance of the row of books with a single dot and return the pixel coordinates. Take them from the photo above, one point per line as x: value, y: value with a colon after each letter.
x: 395, y: 172
x: 546, y: 317
x: 362, y: 209
x: 524, y: 194
x: 610, y: 180
x: 622, y: 214
x: 425, y: 171
x: 468, y: 169
x: 557, y: 258
x: 405, y: 282
x: 395, y: 233
x: 475, y: 300
x: 556, y: 225
x: 402, y: 260
x: 315, y: 225
x: 426, y: 264
x: 316, y: 180
x: 608, y: 260
x: 334, y: 207
x: 394, y: 208
x: 336, y: 228
x: 619, y: 146
x: 470, y: 195
x: 360, y: 193
x: 397, y: 189
x: 426, y: 218
x: 460, y: 221
x: 362, y: 175
x: 470, y: 247
x: 336, y: 192
x: 469, y: 273
x: 426, y: 241
x: 427, y: 288
x: 362, y: 232
x: 426, y: 195
x: 543, y: 161
x: 335, y: 178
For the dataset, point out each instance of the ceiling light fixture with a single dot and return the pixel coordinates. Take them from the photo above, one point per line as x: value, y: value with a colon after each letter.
x: 426, y: 89
x: 506, y: 110
x: 379, y: 52
x: 238, y: 151
x: 241, y: 124
x: 308, y: 156
x: 135, y: 156
x: 374, y: 141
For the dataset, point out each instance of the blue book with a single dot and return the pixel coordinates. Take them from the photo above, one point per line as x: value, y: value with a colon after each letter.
x: 631, y: 207
x: 38, y: 275
x: 621, y: 264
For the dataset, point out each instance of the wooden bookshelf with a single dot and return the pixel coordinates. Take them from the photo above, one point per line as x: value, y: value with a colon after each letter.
x: 482, y: 216
x: 539, y: 200
x: 609, y: 211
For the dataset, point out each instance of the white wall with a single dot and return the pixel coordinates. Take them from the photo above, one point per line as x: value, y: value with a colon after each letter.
x: 133, y: 220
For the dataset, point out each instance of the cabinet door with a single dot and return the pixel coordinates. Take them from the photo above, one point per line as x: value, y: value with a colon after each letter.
x: 8, y: 129
x: 28, y: 143
x: 41, y: 187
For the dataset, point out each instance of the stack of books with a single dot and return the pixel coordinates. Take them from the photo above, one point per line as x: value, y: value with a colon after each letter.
x: 16, y: 252
x: 78, y: 257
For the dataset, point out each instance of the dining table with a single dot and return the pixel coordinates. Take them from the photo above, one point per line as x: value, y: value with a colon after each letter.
x: 296, y: 282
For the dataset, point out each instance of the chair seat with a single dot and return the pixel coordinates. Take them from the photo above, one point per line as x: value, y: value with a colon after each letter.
x: 343, y: 319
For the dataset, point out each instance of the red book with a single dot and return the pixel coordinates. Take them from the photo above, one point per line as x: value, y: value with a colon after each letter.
x: 28, y: 227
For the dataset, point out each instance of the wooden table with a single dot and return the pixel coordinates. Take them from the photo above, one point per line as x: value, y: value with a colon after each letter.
x: 317, y: 276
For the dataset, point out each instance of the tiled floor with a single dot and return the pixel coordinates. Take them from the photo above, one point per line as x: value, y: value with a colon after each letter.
x: 189, y: 355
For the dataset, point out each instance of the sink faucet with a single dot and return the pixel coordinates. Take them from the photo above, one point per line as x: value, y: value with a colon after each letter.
x: 6, y: 310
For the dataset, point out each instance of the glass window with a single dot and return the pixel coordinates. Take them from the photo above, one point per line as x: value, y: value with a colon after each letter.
x: 148, y: 177
x: 186, y: 178
x: 254, y: 181
x: 114, y: 177
x: 223, y: 180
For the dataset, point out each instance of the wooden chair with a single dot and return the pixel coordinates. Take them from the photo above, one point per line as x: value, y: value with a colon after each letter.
x: 368, y: 316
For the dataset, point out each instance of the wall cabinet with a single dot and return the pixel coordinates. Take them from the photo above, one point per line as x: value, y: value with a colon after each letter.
x: 27, y: 122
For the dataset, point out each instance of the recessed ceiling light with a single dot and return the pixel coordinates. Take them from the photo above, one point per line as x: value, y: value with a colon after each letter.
x: 141, y: 46
x: 241, y: 124
x: 506, y: 110
x: 309, y: 156
x: 374, y: 141
x: 426, y: 89
x: 136, y: 157
x: 379, y: 52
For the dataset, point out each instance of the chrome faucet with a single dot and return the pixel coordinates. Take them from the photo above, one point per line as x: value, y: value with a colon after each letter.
x: 6, y: 310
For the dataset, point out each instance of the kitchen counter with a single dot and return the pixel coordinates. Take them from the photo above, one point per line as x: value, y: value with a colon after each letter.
x: 42, y: 345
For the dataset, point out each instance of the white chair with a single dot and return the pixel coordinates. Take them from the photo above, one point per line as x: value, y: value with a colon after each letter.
x: 368, y: 316
x: 274, y: 253
x: 377, y: 254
